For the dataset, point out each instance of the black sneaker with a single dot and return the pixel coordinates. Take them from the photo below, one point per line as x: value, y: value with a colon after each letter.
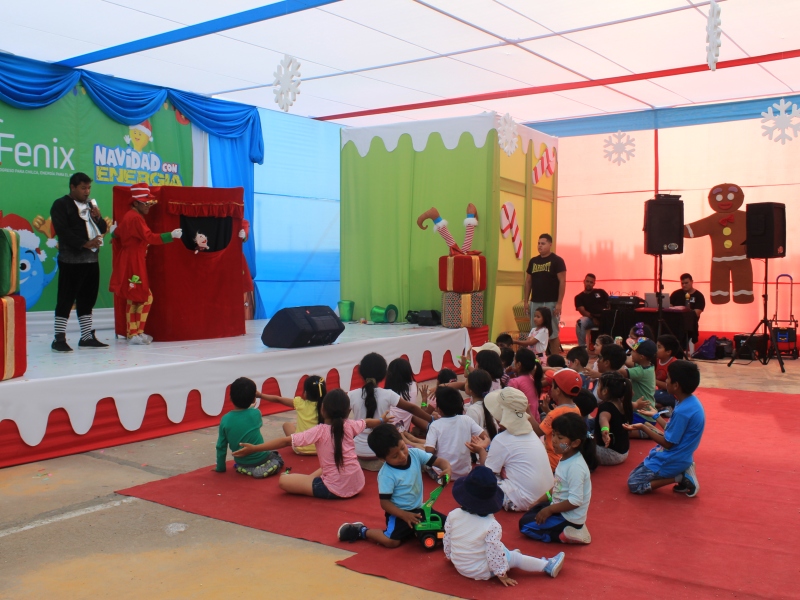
x: 350, y: 532
x: 60, y: 344
x: 92, y: 342
x: 689, y: 484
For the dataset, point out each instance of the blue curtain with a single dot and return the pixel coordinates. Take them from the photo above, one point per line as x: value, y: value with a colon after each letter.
x: 236, y: 140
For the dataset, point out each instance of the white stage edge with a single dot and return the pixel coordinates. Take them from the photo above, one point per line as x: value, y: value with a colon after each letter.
x: 131, y: 374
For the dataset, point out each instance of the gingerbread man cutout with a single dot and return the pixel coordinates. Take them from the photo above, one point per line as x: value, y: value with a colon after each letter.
x: 728, y: 232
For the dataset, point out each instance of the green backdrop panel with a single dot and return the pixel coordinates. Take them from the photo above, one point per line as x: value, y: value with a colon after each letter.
x: 40, y: 150
x: 385, y: 257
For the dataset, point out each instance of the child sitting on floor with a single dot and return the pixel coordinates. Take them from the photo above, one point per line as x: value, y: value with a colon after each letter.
x: 399, y: 488
x: 516, y: 454
x: 507, y: 358
x: 472, y: 536
x: 577, y: 360
x: 669, y: 350
x: 504, y: 340
x: 539, y: 336
x: 243, y: 424
x: 672, y: 461
x: 602, y: 340
x: 566, y: 385
x: 643, y: 380
x: 489, y: 361
x: 308, y: 407
x: 479, y: 383
x: 529, y: 378
x: 400, y: 379
x: 587, y: 404
x: 339, y: 475
x: 611, y: 437
x: 448, y: 436
x: 560, y: 515
x: 556, y: 361
x: 371, y: 401
x: 638, y: 331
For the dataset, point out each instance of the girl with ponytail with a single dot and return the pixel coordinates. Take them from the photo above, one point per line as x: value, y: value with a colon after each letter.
x: 308, y: 407
x: 371, y: 400
x: 339, y: 475
x: 615, y: 409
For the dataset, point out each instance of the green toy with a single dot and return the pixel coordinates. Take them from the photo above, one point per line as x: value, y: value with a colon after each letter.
x: 431, y: 528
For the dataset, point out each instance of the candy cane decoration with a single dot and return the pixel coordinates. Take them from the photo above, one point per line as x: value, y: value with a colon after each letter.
x: 545, y: 165
x: 508, y: 226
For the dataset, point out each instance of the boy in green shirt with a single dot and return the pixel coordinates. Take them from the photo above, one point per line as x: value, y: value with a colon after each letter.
x: 643, y: 381
x: 243, y: 424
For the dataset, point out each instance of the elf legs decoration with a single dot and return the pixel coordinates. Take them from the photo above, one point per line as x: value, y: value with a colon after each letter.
x: 440, y: 226
x: 471, y: 222
x: 136, y: 316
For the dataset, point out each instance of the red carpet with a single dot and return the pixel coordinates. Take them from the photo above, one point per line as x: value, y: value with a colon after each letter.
x: 737, y: 538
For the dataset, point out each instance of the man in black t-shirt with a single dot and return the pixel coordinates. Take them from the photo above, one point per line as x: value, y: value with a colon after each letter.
x: 691, y: 298
x: 590, y: 304
x: 545, y: 283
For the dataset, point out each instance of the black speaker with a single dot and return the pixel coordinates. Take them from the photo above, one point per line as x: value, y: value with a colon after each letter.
x: 663, y: 226
x: 302, y: 326
x: 766, y: 230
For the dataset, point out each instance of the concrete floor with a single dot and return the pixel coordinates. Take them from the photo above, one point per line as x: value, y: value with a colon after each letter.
x: 65, y: 534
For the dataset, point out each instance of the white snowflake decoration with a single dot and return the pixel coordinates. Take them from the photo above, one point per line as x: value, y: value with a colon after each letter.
x: 507, y: 134
x: 783, y: 121
x: 619, y: 148
x: 713, y: 35
x: 287, y: 80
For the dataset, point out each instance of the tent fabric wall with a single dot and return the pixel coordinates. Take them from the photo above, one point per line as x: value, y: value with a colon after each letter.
x: 601, y: 210
x: 296, y: 213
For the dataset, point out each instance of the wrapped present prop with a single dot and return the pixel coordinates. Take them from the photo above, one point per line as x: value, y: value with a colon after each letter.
x: 462, y: 310
x: 9, y: 262
x: 13, y: 349
x: 462, y: 273
x: 523, y: 320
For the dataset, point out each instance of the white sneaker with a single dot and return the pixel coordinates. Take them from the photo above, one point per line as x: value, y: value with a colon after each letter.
x: 571, y: 535
x: 136, y: 340
x: 147, y: 338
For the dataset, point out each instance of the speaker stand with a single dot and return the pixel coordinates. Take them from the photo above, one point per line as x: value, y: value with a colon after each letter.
x: 659, y: 300
x: 767, y: 330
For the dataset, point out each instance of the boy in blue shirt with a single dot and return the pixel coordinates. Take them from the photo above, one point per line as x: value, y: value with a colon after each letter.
x: 399, y: 488
x: 672, y: 461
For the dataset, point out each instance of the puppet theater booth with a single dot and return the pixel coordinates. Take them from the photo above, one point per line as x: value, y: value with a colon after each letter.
x: 610, y: 165
x: 392, y: 174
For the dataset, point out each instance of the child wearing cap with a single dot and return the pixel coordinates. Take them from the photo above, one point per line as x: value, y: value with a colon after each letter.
x: 517, y: 452
x: 472, y: 536
x: 643, y: 380
x: 566, y: 385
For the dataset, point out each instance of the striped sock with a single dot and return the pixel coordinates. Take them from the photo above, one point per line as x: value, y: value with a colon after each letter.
x: 85, y: 322
x: 61, y: 325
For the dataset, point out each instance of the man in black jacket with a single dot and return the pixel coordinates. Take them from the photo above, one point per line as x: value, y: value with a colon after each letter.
x: 79, y: 228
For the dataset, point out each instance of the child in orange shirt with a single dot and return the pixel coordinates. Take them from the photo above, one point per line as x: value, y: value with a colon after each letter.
x: 566, y: 385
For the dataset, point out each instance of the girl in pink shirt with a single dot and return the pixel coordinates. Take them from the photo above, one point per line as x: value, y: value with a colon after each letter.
x: 528, y: 379
x: 340, y: 474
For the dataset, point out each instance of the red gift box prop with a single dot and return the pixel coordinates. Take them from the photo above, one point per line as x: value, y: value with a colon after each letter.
x: 196, y: 296
x: 13, y: 350
x: 462, y: 273
x: 462, y: 310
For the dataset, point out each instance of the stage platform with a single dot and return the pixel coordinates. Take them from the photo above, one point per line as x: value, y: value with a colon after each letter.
x: 89, y: 399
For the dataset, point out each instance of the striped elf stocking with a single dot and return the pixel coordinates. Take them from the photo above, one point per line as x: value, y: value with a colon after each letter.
x: 471, y: 222
x: 439, y: 225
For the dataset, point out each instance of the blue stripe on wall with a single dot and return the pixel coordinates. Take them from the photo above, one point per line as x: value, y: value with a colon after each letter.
x: 660, y: 118
x: 247, y: 17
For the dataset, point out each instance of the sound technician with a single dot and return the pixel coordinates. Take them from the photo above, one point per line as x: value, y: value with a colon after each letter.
x: 690, y: 298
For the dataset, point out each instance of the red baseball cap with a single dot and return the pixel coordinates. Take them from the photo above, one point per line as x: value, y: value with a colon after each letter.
x: 568, y: 381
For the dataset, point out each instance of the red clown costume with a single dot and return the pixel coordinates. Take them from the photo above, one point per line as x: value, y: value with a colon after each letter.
x: 129, y: 276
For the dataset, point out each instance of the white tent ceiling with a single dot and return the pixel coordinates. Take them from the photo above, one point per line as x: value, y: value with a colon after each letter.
x: 368, y: 54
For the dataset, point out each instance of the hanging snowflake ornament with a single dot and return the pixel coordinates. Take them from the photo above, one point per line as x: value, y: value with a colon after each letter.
x: 507, y: 134
x: 784, y: 121
x: 619, y: 148
x: 287, y: 80
x: 713, y: 35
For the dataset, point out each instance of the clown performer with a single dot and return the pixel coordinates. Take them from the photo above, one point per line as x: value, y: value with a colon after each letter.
x: 129, y: 277
x: 727, y: 229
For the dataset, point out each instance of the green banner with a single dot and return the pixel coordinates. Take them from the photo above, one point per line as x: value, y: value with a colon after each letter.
x: 41, y: 149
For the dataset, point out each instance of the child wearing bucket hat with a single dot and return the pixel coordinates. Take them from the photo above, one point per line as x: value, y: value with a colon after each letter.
x: 516, y: 451
x: 472, y: 536
x: 566, y: 385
